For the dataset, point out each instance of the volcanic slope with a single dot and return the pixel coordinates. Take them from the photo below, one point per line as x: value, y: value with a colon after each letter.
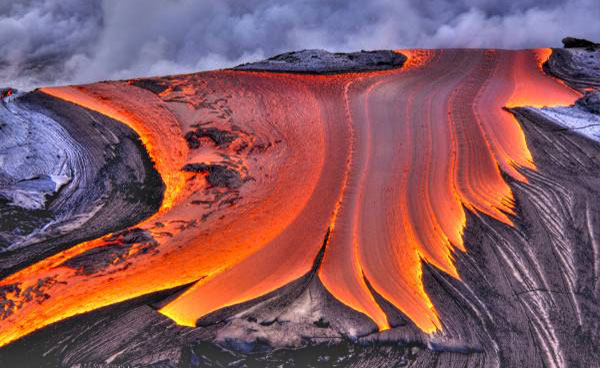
x: 439, y: 219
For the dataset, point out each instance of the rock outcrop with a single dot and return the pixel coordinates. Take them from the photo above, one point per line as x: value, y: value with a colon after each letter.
x: 67, y: 175
x: 578, y: 65
x: 324, y: 62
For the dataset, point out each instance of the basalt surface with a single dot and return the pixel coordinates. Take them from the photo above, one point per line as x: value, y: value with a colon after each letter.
x: 324, y: 62
x: 440, y: 214
x: 68, y: 174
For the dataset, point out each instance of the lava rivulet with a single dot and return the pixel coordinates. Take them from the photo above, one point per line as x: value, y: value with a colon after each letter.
x: 388, y: 161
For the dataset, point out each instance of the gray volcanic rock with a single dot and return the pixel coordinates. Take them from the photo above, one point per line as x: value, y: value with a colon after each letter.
x: 590, y: 101
x: 125, y: 332
x: 67, y: 174
x: 323, y: 62
x: 35, y: 161
x: 575, y: 118
x: 296, y: 315
x: 579, y: 67
x: 134, y: 334
x: 554, y: 275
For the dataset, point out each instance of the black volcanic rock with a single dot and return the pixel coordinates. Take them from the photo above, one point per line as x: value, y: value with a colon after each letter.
x: 572, y: 42
x: 590, y: 101
x: 323, y: 62
x: 134, y: 334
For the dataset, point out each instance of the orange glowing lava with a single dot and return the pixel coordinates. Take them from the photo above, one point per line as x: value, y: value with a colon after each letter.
x: 416, y: 58
x: 388, y: 161
x: 6, y: 92
x: 151, y: 124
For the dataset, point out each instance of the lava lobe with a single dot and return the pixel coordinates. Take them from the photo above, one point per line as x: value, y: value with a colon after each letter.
x: 259, y: 166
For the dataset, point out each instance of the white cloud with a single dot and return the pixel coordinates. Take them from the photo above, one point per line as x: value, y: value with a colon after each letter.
x: 72, y: 41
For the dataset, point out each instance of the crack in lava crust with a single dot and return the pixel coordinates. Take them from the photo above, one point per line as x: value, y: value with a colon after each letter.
x: 387, y: 160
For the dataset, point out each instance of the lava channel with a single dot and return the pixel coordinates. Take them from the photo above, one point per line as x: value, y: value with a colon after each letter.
x: 258, y: 166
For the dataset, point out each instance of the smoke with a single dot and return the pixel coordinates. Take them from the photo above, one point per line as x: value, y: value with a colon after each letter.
x: 46, y: 42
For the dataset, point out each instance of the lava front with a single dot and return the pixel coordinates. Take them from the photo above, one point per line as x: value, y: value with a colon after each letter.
x: 259, y: 166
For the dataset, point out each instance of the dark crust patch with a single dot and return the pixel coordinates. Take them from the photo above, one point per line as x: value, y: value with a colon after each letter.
x: 155, y: 86
x: 590, y: 101
x: 323, y: 62
x: 219, y: 176
x: 219, y: 137
x: 114, y: 252
x: 572, y: 42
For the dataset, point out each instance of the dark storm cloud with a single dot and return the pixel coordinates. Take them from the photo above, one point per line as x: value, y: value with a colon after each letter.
x: 73, y: 41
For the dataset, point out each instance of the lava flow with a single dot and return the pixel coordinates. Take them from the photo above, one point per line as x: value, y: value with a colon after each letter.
x: 258, y: 167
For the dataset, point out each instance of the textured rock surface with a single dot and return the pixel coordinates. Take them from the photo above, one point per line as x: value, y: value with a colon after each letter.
x: 324, y: 62
x: 579, y: 66
x: 575, y: 118
x: 67, y: 174
x: 543, y: 304
x: 590, y: 101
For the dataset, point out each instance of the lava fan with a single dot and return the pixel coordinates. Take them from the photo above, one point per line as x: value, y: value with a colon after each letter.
x: 440, y: 204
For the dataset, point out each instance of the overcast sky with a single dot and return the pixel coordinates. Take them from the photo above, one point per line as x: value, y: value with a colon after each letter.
x: 74, y: 41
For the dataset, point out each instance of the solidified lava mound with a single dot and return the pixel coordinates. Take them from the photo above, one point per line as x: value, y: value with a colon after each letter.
x: 439, y: 208
x: 323, y: 62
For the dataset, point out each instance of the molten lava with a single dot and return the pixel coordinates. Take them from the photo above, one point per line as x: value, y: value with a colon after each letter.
x: 6, y: 92
x: 388, y: 161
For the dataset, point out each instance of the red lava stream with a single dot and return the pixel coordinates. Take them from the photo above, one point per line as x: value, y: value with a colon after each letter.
x: 389, y: 161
